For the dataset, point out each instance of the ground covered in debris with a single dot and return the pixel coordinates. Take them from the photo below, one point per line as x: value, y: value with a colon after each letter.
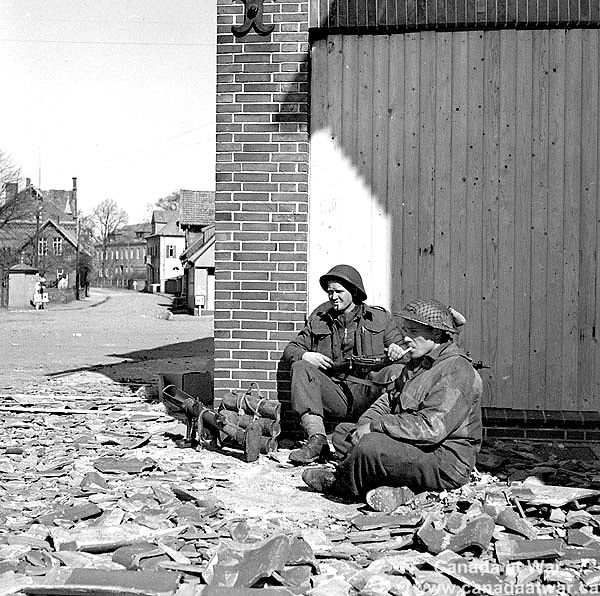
x: 98, y: 494
x: 99, y: 497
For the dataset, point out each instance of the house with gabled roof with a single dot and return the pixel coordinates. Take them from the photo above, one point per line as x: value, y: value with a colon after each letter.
x: 197, y: 220
x: 42, y: 232
x: 163, y: 248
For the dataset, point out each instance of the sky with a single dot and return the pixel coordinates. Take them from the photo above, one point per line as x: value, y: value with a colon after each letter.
x: 119, y: 93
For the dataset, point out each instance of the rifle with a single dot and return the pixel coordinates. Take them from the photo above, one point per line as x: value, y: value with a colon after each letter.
x: 359, y: 366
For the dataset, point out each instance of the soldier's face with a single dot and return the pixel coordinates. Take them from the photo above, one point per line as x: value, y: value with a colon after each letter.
x: 421, y: 338
x: 339, y: 296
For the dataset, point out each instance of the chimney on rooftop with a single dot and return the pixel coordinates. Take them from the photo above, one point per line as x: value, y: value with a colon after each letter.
x: 74, y: 195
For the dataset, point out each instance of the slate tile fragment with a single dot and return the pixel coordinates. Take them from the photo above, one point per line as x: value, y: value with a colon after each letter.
x: 122, y: 465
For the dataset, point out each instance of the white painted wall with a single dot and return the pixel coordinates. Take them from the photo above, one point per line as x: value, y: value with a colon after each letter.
x: 347, y: 224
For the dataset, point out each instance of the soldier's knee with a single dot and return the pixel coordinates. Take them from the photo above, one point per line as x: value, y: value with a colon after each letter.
x: 369, y: 445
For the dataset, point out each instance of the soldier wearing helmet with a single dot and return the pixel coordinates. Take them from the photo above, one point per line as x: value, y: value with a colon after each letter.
x: 336, y: 330
x: 425, y: 433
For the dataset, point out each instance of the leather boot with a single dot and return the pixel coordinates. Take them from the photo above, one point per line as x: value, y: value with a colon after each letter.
x: 319, y: 479
x: 315, y: 448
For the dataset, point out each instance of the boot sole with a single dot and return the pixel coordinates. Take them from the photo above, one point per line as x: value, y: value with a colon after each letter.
x: 387, y: 498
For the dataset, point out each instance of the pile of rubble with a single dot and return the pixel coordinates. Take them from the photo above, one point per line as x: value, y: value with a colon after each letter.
x: 96, y: 497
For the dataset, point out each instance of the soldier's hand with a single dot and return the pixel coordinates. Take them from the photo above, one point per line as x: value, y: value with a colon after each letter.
x: 360, y: 432
x: 318, y: 360
x: 395, y: 352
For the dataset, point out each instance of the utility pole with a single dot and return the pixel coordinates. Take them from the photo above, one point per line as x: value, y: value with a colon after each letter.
x: 38, y: 209
x: 74, y: 194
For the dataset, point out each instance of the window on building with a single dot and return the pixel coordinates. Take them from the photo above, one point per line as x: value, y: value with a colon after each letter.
x: 170, y: 250
x: 117, y: 255
x: 57, y: 246
x: 131, y: 253
x: 42, y: 246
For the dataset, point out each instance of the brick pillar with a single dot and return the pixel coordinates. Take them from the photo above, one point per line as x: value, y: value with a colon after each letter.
x: 261, y: 194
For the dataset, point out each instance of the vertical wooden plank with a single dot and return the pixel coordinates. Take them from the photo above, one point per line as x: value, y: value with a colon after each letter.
x: 443, y: 172
x: 506, y: 221
x: 350, y: 96
x: 572, y: 198
x: 539, y: 219
x: 342, y: 13
x: 396, y: 164
x: 314, y: 13
x: 458, y: 153
x: 556, y: 169
x: 522, y: 218
x: 410, y: 221
x: 587, y: 369
x: 379, y: 204
x: 334, y: 19
x: 318, y: 59
x: 365, y: 107
x: 426, y: 163
x: 475, y: 194
x: 335, y: 71
x: 597, y: 263
x: 351, y: 14
x: 324, y: 13
x: 491, y: 144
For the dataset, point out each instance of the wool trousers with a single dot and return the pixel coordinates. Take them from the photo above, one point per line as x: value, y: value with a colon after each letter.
x: 379, y: 460
x: 315, y: 392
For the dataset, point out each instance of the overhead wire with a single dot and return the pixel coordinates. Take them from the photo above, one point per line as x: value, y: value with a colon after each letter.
x: 162, y: 142
x: 106, y: 43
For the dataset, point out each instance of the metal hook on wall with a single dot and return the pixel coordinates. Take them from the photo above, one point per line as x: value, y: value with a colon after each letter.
x: 253, y: 18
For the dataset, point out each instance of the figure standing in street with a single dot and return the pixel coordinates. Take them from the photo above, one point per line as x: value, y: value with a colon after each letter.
x: 425, y: 433
x: 335, y: 331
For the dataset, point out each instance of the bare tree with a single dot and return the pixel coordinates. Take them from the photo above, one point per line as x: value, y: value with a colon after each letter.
x: 106, y: 219
x: 10, y: 209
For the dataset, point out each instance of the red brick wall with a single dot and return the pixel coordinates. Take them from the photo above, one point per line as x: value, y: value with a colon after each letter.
x: 261, y: 193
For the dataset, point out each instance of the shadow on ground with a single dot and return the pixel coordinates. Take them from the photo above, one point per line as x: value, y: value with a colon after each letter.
x: 144, y: 366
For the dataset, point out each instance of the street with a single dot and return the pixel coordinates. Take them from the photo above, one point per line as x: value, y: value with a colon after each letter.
x: 123, y: 335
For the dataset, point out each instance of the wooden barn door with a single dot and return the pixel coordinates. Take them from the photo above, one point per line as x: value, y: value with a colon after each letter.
x: 464, y: 166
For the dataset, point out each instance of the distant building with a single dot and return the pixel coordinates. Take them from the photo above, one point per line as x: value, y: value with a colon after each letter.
x: 198, y: 261
x: 42, y: 233
x: 165, y: 244
x: 125, y: 259
x: 197, y: 220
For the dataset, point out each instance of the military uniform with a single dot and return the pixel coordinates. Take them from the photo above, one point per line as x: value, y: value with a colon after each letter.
x: 365, y: 331
x: 424, y: 435
x: 337, y: 329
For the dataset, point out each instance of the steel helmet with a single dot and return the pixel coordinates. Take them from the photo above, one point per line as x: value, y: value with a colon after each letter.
x: 433, y: 314
x: 346, y: 275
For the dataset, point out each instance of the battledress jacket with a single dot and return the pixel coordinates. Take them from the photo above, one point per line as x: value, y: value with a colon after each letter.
x: 373, y: 327
x: 436, y: 407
